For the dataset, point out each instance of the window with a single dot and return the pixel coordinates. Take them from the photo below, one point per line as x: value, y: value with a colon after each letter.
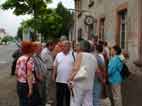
x: 101, y: 28
x: 90, y: 31
x: 90, y: 23
x: 79, y: 34
x: 95, y: 27
x: 123, y: 28
x: 79, y: 4
x: 78, y: 7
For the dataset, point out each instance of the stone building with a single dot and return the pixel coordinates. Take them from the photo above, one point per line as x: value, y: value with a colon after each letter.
x: 116, y: 21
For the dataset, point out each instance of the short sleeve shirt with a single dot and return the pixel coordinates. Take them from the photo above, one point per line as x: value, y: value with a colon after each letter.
x: 100, y: 59
x: 47, y: 58
x: 64, y: 64
x: 21, y: 68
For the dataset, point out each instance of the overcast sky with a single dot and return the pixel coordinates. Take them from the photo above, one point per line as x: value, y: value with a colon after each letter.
x: 10, y: 22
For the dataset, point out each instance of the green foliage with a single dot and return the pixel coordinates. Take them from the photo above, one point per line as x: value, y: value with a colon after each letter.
x: 30, y: 7
x: 50, y: 26
x: 7, y: 39
x: 67, y: 20
x: 22, y: 7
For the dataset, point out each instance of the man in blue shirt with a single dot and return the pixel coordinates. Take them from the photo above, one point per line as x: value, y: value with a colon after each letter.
x: 115, y: 79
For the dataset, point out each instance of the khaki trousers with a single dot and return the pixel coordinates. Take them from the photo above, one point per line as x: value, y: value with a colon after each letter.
x: 117, y: 96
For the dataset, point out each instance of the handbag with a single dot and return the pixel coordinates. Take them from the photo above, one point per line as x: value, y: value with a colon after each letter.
x: 81, y: 74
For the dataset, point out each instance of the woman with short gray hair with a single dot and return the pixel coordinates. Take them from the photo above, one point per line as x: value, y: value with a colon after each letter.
x: 82, y: 88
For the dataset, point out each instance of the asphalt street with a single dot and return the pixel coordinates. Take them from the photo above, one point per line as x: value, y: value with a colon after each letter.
x: 8, y: 96
x: 6, y: 58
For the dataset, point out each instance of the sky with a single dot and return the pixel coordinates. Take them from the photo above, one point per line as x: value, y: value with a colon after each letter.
x: 10, y: 22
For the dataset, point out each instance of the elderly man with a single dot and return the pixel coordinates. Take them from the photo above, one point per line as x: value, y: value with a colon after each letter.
x: 59, y: 46
x: 47, y: 57
x: 63, y: 65
x: 40, y: 72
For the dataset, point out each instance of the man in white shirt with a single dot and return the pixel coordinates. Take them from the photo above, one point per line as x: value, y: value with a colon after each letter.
x: 63, y: 65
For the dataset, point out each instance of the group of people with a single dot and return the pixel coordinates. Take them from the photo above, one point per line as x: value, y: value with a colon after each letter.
x: 33, y: 71
x: 81, y: 72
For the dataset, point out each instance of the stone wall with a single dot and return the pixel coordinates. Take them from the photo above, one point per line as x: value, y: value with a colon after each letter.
x: 107, y: 9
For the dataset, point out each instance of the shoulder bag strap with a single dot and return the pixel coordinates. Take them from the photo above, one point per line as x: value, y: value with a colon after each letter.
x: 26, y: 65
x: 73, y: 56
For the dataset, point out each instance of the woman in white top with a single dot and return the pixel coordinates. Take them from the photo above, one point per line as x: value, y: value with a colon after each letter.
x: 82, y: 89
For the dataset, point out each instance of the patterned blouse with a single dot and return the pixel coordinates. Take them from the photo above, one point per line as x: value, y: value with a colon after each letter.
x: 21, y: 68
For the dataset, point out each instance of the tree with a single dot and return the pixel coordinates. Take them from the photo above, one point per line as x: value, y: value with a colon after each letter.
x: 30, y: 7
x: 56, y: 23
x: 50, y: 23
x: 50, y: 26
x: 67, y: 19
x: 23, y: 7
x: 47, y: 24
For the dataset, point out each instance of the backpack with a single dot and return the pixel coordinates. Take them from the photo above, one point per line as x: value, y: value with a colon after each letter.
x: 125, y: 72
x: 40, y: 69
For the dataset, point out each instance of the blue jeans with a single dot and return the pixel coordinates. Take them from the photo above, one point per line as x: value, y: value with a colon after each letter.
x: 97, y: 92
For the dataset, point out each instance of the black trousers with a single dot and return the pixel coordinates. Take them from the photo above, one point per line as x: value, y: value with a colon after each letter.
x: 24, y: 100
x: 62, y: 94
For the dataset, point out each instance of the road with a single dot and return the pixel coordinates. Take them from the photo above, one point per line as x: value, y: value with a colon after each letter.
x: 132, y: 89
x: 8, y: 96
x: 5, y: 58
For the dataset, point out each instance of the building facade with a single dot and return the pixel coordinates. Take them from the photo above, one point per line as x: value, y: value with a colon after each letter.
x: 116, y: 21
